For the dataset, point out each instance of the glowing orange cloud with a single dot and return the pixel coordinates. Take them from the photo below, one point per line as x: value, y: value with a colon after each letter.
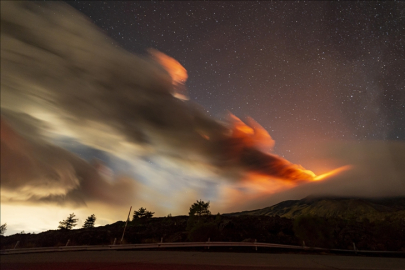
x: 269, y: 185
x: 176, y: 71
x: 252, y: 135
x: 332, y: 173
x: 268, y: 173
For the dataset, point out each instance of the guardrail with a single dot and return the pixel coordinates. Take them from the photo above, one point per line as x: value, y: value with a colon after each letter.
x: 207, y: 244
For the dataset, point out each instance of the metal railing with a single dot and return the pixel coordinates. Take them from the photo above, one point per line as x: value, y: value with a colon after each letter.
x: 207, y: 244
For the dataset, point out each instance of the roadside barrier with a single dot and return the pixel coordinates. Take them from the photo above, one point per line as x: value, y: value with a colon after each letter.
x: 207, y: 244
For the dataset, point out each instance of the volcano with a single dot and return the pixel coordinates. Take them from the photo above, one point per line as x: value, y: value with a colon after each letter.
x: 373, y: 209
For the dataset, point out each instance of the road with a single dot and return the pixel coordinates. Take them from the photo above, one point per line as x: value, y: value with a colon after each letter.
x: 170, y: 260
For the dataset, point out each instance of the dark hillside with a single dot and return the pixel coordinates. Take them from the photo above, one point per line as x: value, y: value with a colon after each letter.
x: 334, y: 232
x: 173, y: 229
x: 333, y: 207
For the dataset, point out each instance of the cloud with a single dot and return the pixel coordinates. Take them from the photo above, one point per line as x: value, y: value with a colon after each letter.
x: 376, y: 171
x: 33, y: 170
x: 59, y: 68
x: 62, y: 77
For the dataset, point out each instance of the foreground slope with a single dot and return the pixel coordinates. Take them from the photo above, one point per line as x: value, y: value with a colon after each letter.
x: 338, y: 233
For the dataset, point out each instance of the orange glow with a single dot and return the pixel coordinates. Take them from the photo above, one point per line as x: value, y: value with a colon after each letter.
x: 266, y: 184
x: 176, y: 71
x: 256, y: 185
x: 267, y: 172
x: 252, y: 135
x: 332, y: 173
x: 269, y: 185
x: 238, y: 125
x: 260, y: 184
x: 205, y: 136
x: 252, y: 143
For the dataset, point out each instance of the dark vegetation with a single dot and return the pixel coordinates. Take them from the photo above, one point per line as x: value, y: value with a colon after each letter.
x: 68, y: 223
x: 317, y: 231
x: 3, y: 228
x: 89, y: 222
x: 200, y: 208
x: 142, y: 213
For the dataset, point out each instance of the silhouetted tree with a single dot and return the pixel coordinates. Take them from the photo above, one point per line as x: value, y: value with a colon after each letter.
x: 200, y: 208
x: 142, y: 213
x: 68, y: 223
x: 89, y: 223
x: 3, y: 228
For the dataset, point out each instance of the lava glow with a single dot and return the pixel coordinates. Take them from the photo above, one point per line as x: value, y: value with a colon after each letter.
x: 331, y: 173
x: 265, y: 184
x: 272, y: 173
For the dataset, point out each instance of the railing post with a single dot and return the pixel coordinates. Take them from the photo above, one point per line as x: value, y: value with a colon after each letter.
x: 208, y: 242
x: 303, y: 244
x: 355, y: 249
x: 161, y: 240
x: 256, y: 244
x: 16, y: 244
x: 67, y: 243
x: 115, y: 240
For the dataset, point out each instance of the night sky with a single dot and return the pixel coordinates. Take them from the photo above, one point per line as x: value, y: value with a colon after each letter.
x: 306, y: 71
x: 92, y: 118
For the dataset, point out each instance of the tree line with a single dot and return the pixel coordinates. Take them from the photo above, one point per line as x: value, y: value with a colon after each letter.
x: 71, y: 222
x: 198, y: 209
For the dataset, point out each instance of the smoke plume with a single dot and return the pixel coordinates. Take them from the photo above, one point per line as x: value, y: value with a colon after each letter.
x: 61, y: 76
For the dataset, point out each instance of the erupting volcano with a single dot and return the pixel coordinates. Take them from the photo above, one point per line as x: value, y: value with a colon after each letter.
x: 70, y: 96
x: 252, y: 144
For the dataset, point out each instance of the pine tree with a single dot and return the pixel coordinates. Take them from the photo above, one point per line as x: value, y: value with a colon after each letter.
x: 200, y: 208
x: 142, y: 213
x: 3, y: 228
x: 89, y: 223
x: 68, y: 223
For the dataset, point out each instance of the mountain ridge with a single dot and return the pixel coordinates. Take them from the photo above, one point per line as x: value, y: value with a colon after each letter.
x: 359, y: 209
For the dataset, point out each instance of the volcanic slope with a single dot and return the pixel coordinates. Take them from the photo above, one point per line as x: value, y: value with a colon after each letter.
x: 329, y: 207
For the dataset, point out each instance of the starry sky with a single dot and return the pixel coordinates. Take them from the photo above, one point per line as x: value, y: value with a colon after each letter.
x: 86, y: 111
x: 306, y: 71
